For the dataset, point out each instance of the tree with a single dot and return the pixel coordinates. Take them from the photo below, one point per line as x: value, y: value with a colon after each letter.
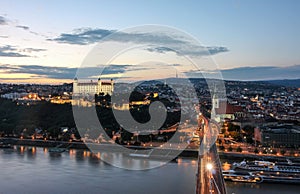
x: 126, y: 136
x: 232, y: 127
x: 235, y: 135
x: 249, y: 130
x: 117, y: 141
x: 256, y: 151
x: 230, y: 149
x: 219, y: 141
x: 239, y: 149
x: 282, y: 152
x: 264, y: 152
x: 249, y: 139
x: 222, y: 148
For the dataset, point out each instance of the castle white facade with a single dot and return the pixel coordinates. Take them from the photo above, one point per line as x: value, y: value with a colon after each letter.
x: 92, y: 87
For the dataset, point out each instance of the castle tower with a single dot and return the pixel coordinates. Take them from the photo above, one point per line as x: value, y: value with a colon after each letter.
x: 75, y: 86
x: 214, y: 105
x: 112, y: 86
x: 99, y: 85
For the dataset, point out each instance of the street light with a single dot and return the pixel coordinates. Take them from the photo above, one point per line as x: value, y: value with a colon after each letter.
x: 209, y: 166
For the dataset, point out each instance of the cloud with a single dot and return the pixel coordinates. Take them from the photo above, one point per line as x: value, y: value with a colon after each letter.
x: 64, y: 72
x: 27, y: 28
x: 180, y: 46
x: 262, y: 73
x: 23, y: 27
x: 101, y: 70
x: 190, y: 50
x: 6, y: 67
x: 160, y: 49
x: 114, y: 70
x: 29, y: 50
x: 10, y: 51
x: 83, y: 36
x: 15, y: 79
x: 252, y: 73
x: 217, y: 49
x: 13, y: 51
x: 3, y: 20
x: 38, y: 70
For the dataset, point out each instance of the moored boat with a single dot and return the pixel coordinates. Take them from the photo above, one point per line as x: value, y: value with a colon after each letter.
x: 56, y: 150
x: 241, y: 176
x: 266, y: 166
x: 267, y: 171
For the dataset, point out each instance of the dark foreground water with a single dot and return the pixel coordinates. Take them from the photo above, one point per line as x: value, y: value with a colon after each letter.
x: 34, y: 170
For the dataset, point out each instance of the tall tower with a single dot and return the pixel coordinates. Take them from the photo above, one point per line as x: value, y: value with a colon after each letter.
x: 75, y: 86
x: 112, y: 86
x: 215, y: 103
x: 99, y: 86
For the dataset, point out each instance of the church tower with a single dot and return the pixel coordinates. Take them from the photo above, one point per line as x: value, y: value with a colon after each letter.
x: 214, y: 105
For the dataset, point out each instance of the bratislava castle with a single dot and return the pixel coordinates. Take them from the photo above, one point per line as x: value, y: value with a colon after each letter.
x: 92, y: 87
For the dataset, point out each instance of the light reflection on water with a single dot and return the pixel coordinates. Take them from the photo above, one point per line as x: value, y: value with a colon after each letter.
x: 33, y: 170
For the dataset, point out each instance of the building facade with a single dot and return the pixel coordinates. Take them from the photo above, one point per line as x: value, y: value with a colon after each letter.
x: 277, y: 136
x: 222, y: 110
x: 92, y: 87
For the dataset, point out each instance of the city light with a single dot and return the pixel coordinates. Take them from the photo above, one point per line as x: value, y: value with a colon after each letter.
x: 209, y: 166
x: 92, y: 102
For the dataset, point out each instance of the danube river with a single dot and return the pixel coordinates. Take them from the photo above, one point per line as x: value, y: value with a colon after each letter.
x: 34, y: 170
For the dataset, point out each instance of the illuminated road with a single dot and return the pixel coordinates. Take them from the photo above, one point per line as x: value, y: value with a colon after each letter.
x: 209, y: 173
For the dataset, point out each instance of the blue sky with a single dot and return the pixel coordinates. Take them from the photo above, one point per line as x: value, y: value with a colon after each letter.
x: 254, y: 34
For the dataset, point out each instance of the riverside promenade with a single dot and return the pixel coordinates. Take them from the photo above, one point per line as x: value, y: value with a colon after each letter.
x: 188, y: 152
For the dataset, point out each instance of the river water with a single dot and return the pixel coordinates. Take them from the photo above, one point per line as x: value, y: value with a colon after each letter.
x: 33, y: 170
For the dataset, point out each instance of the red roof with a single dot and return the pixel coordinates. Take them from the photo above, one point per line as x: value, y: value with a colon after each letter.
x: 225, y: 108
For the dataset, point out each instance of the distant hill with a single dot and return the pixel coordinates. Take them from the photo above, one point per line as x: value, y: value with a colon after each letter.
x: 286, y: 82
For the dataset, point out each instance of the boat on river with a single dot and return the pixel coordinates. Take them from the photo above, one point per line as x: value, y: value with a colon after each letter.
x: 266, y: 166
x: 272, y: 177
x: 57, y: 150
x: 241, y: 176
x: 269, y: 171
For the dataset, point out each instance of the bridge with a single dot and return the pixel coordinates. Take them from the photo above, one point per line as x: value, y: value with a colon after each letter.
x: 209, y: 178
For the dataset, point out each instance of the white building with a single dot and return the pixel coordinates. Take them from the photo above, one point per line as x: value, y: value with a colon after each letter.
x: 92, y: 87
x: 24, y: 96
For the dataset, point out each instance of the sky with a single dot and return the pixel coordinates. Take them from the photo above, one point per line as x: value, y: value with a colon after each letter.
x: 46, y: 41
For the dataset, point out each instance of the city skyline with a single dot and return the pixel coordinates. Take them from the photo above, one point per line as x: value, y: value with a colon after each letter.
x: 43, y: 43
x: 133, y: 96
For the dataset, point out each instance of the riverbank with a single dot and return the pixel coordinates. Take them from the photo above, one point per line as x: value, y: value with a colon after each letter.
x: 190, y: 153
